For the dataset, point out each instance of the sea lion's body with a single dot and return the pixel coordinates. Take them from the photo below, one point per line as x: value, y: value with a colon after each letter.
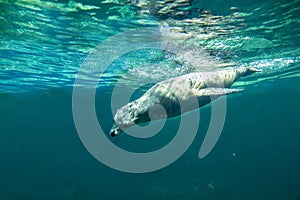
x: 177, y: 96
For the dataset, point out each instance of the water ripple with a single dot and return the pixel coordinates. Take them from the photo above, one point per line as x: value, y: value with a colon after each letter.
x: 43, y: 43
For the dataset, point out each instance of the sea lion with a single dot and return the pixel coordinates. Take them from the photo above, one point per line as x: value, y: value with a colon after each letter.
x: 175, y: 96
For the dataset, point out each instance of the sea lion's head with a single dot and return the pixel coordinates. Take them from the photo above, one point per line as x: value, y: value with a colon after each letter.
x: 124, y: 118
x: 115, y: 130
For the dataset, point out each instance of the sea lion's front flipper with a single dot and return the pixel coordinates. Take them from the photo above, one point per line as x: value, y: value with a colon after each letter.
x: 215, y: 91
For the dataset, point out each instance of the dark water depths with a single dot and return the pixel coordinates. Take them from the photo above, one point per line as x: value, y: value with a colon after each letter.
x: 257, y: 156
x: 42, y: 46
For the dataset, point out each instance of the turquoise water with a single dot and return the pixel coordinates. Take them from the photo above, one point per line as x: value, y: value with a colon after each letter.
x: 44, y: 43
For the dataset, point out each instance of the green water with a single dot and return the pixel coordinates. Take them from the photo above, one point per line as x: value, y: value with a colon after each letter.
x: 42, y: 46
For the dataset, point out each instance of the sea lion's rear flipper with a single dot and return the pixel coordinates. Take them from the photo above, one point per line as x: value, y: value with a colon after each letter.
x: 215, y: 91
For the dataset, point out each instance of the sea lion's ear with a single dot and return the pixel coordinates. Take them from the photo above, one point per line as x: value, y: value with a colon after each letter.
x: 214, y: 92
